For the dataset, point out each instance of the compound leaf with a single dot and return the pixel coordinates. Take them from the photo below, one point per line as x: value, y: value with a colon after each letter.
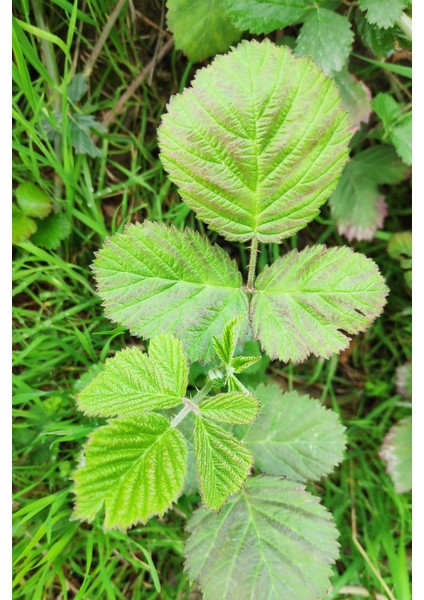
x: 273, y: 540
x: 264, y: 16
x: 135, y: 467
x: 357, y: 205
x: 22, y: 226
x: 356, y: 98
x: 133, y: 382
x: 201, y: 29
x: 383, y: 14
x: 256, y: 154
x: 307, y: 302
x: 233, y: 407
x: 396, y: 452
x: 294, y: 436
x: 327, y: 38
x: 156, y: 279
x: 32, y: 201
x: 52, y: 230
x: 223, y: 462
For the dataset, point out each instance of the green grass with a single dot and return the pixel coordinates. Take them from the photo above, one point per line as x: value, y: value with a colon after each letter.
x: 60, y: 330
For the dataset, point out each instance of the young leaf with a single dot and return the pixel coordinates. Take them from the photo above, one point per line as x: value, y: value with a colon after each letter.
x: 273, y: 540
x: 156, y: 279
x: 397, y: 125
x: 135, y: 467
x: 404, y: 380
x: 400, y: 248
x: 32, y: 201
x: 132, y: 382
x: 230, y: 408
x: 52, y: 230
x: 307, y: 302
x: 201, y: 29
x: 356, y: 98
x: 256, y: 154
x: 383, y: 14
x: 294, y: 436
x: 22, y: 226
x: 327, y: 38
x: 264, y: 16
x: 396, y: 452
x: 223, y: 462
x: 226, y: 345
x: 357, y: 205
x: 240, y: 363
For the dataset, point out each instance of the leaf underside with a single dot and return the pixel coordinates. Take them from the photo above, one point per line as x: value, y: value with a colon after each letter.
x: 223, y: 462
x: 307, y: 302
x: 133, y: 382
x: 201, y: 29
x: 135, y: 467
x: 293, y: 436
x: 396, y: 452
x: 273, y: 540
x: 156, y: 279
x: 257, y: 154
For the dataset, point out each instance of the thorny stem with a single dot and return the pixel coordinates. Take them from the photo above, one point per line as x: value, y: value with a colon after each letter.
x: 252, y: 264
x: 190, y: 404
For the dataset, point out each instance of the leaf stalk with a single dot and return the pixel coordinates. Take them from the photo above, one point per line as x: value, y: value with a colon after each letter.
x: 252, y: 264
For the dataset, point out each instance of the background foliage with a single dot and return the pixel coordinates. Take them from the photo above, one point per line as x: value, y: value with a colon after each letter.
x: 94, y: 160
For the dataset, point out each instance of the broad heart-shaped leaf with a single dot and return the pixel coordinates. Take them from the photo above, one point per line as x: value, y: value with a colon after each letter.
x: 156, y: 279
x: 135, y: 467
x: 223, y: 462
x: 201, y: 29
x: 293, y: 435
x: 356, y: 98
x: 256, y: 154
x: 396, y: 452
x: 327, y: 38
x: 32, y: 201
x: 307, y: 302
x: 273, y: 540
x: 383, y: 14
x: 264, y: 16
x: 232, y: 407
x: 133, y: 382
x: 357, y: 205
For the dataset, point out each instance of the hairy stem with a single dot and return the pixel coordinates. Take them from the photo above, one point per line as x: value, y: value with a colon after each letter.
x: 190, y: 404
x: 252, y: 264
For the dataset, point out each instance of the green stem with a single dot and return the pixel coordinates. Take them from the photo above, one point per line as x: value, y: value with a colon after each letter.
x: 252, y: 264
x: 190, y: 404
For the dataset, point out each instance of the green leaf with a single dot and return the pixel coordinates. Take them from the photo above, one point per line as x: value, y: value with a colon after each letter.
x: 80, y: 126
x: 327, y: 38
x: 404, y: 380
x: 294, y: 436
x: 226, y: 345
x: 201, y: 29
x: 400, y: 248
x: 383, y: 14
x: 273, y: 540
x: 397, y: 125
x: 380, y: 41
x: 32, y: 201
x: 133, y: 382
x: 356, y: 98
x: 52, y: 231
x: 223, y: 462
x: 230, y: 408
x: 135, y: 467
x: 358, y: 206
x: 256, y: 154
x: 396, y: 452
x: 77, y: 87
x: 22, y: 226
x: 156, y: 279
x: 240, y: 363
x: 307, y: 302
x: 264, y: 16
